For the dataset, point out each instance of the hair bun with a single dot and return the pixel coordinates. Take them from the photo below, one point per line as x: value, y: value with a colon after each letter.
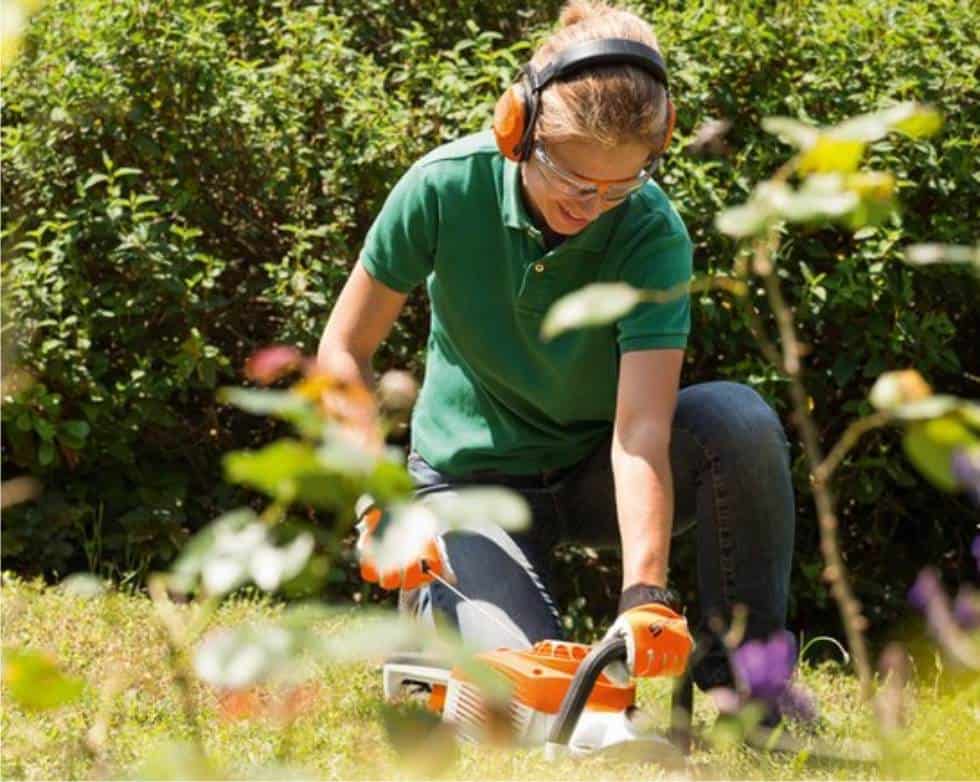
x: 576, y: 11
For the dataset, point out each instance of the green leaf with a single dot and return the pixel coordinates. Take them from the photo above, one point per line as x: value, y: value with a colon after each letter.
x: 284, y: 405
x: 843, y: 368
x: 427, y: 745
x: 35, y: 682
x: 925, y: 254
x: 270, y: 566
x: 372, y: 636
x: 288, y: 471
x: 893, y: 389
x: 749, y: 219
x: 45, y: 429
x: 93, y: 180
x: 970, y: 413
x: 930, y: 446
x: 127, y: 172
x: 389, y: 481
x: 820, y: 197
x: 470, y: 508
x: 245, y: 656
x: 74, y: 433
x: 272, y: 469
x: 912, y: 119
x: 793, y: 132
x: 921, y: 124
x: 186, y: 570
x: 840, y: 148
x: 84, y: 585
x: 593, y: 305
x: 923, y: 409
x: 176, y: 760
x: 45, y: 454
x: 235, y: 549
x: 832, y: 155
x: 822, y: 150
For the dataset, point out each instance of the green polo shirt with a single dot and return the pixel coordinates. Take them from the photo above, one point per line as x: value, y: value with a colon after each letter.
x: 495, y: 395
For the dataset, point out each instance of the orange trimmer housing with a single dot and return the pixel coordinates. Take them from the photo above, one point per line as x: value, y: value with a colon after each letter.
x: 540, y: 677
x: 565, y: 696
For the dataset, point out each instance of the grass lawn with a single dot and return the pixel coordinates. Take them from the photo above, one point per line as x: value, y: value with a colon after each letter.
x: 116, y: 644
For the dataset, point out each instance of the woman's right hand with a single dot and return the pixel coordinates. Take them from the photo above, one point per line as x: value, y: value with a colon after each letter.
x: 432, y: 561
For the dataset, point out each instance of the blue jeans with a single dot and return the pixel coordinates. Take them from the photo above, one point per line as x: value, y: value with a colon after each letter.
x: 732, y: 489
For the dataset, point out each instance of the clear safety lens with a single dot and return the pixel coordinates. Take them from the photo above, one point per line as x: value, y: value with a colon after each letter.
x: 572, y: 186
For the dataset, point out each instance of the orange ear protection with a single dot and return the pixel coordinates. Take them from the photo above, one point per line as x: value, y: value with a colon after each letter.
x: 517, y: 110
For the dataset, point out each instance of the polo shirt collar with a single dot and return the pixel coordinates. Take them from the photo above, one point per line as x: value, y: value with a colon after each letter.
x: 512, y: 208
x: 593, y: 239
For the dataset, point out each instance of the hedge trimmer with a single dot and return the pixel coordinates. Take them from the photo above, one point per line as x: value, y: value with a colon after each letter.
x: 569, y: 697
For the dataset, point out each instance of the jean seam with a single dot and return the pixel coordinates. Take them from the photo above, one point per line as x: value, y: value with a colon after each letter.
x: 726, y: 545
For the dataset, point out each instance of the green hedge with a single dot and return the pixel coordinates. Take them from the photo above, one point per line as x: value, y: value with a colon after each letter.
x: 185, y: 181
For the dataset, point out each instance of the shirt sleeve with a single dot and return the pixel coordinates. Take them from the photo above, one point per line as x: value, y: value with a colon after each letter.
x: 661, y: 261
x: 400, y: 247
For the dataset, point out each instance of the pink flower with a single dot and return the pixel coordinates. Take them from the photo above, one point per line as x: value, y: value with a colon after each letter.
x: 269, y: 364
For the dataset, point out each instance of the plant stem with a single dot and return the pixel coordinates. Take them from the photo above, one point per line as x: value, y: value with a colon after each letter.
x: 848, y: 440
x: 835, y: 572
x: 176, y: 637
x: 182, y: 682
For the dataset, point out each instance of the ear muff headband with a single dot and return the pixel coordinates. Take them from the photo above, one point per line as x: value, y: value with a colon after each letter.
x: 516, y: 112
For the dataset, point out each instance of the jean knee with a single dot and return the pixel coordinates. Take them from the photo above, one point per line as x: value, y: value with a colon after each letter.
x: 732, y: 417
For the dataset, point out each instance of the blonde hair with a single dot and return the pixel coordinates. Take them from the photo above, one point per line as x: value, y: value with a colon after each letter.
x: 612, y: 104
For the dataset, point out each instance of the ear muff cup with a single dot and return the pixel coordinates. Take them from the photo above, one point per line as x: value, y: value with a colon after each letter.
x: 510, y: 122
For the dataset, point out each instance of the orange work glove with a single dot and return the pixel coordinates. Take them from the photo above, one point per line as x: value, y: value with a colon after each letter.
x: 432, y: 562
x: 657, y: 640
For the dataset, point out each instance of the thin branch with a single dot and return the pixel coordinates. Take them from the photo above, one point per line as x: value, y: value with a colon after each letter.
x: 835, y: 572
x: 176, y: 638
x: 848, y: 440
x: 784, y: 315
x: 758, y: 329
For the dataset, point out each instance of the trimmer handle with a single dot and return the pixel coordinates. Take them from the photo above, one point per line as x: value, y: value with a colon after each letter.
x: 607, y: 651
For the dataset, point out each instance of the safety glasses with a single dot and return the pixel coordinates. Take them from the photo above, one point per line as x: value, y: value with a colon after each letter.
x: 581, y: 188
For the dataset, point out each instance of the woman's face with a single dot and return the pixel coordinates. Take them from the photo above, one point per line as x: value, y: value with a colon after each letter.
x: 546, y: 181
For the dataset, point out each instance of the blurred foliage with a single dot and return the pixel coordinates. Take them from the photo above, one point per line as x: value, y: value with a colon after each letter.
x: 34, y: 680
x: 186, y: 181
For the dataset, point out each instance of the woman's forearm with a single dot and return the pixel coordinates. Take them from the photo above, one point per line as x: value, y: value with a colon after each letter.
x: 644, y: 506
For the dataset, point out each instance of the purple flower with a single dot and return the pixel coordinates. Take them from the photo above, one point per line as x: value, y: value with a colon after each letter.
x: 966, y: 609
x: 797, y: 705
x: 765, y: 667
x: 965, y: 467
x: 926, y: 590
x: 765, y: 672
x: 975, y: 550
x: 928, y: 595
